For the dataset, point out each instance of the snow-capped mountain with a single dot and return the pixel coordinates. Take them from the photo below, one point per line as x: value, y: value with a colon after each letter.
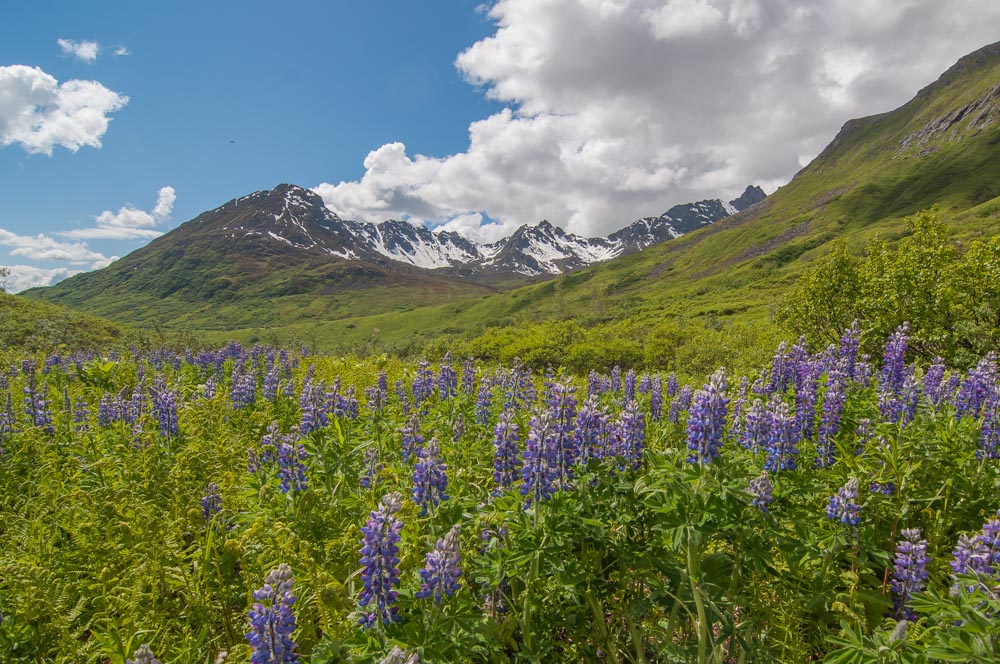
x: 298, y: 219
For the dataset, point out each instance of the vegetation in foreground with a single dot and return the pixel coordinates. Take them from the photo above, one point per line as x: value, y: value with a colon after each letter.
x: 247, y: 503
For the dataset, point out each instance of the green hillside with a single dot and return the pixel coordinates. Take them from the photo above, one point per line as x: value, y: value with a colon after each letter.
x: 29, y: 326
x: 942, y: 148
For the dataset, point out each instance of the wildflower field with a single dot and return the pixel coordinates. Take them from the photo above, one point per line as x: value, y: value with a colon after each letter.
x: 254, y: 504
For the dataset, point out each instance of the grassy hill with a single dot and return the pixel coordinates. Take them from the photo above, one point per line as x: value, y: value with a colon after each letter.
x: 942, y: 148
x: 30, y: 326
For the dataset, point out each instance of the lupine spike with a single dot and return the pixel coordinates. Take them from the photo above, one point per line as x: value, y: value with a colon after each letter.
x: 707, y: 420
x: 380, y: 562
x: 909, y: 571
x: 844, y: 505
x: 430, y: 478
x: 442, y: 570
x: 272, y: 621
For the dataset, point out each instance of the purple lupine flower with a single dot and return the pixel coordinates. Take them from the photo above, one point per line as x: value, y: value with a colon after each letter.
x: 738, y: 421
x: 520, y: 386
x: 934, y: 384
x: 781, y: 438
x: 484, y: 400
x: 979, y: 383
x: 616, y: 378
x: 782, y: 369
x: 656, y: 398
x: 209, y: 388
x: 864, y: 432
x: 645, y: 383
x: 591, y: 430
x: 413, y: 441
x: 989, y: 430
x: 884, y: 488
x: 441, y: 572
x: 269, y: 390
x: 762, y: 491
x: 423, y: 383
x: 806, y: 384
x: 143, y: 655
x: 36, y: 407
x: 447, y: 379
x: 593, y: 383
x: 469, y: 376
x: 289, y: 454
x: 671, y: 385
x: 430, y: 478
x: 979, y: 556
x: 829, y: 426
x: 629, y: 433
x: 844, y: 505
x: 707, y: 420
x: 377, y: 398
x: 562, y: 418
x: 403, y: 396
x: 108, y: 410
x: 910, y: 571
x: 539, y: 472
x: 244, y: 389
x: 909, y: 397
x: 894, y: 368
x: 506, y: 455
x: 272, y: 621
x: 165, y: 408
x: 380, y: 562
x: 850, y: 342
x: 211, y: 502
x: 756, y: 425
x: 680, y: 403
x: 81, y: 415
x: 630, y: 385
x: 372, y: 467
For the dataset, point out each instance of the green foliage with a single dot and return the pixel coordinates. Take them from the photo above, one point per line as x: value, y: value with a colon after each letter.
x: 106, y: 547
x: 950, y: 297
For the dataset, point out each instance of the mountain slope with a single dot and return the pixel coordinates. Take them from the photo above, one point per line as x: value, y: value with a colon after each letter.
x: 941, y: 148
x: 280, y: 256
x: 271, y: 258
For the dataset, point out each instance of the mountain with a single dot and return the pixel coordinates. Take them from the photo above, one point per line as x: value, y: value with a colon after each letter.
x: 942, y: 148
x: 281, y: 256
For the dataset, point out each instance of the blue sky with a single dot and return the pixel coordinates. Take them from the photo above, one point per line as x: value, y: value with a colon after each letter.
x: 473, y: 117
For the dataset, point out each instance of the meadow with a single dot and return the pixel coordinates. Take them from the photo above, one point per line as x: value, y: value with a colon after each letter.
x: 266, y: 504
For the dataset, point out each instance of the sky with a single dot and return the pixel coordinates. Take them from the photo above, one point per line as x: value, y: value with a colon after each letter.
x: 121, y: 120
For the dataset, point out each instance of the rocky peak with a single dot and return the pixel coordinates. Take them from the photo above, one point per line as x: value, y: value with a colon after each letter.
x: 752, y: 194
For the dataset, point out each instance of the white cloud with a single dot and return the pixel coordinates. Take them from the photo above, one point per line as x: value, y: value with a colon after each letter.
x: 621, y: 108
x: 23, y: 277
x: 39, y: 113
x: 41, y: 247
x: 471, y: 226
x: 81, y: 50
x: 121, y: 50
x: 683, y: 18
x: 129, y: 222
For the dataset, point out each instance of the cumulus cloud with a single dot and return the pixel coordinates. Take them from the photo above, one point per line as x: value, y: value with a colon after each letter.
x: 41, y: 247
x: 38, y: 113
x: 618, y: 109
x: 23, y: 277
x: 129, y: 222
x: 121, y: 50
x: 81, y: 50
